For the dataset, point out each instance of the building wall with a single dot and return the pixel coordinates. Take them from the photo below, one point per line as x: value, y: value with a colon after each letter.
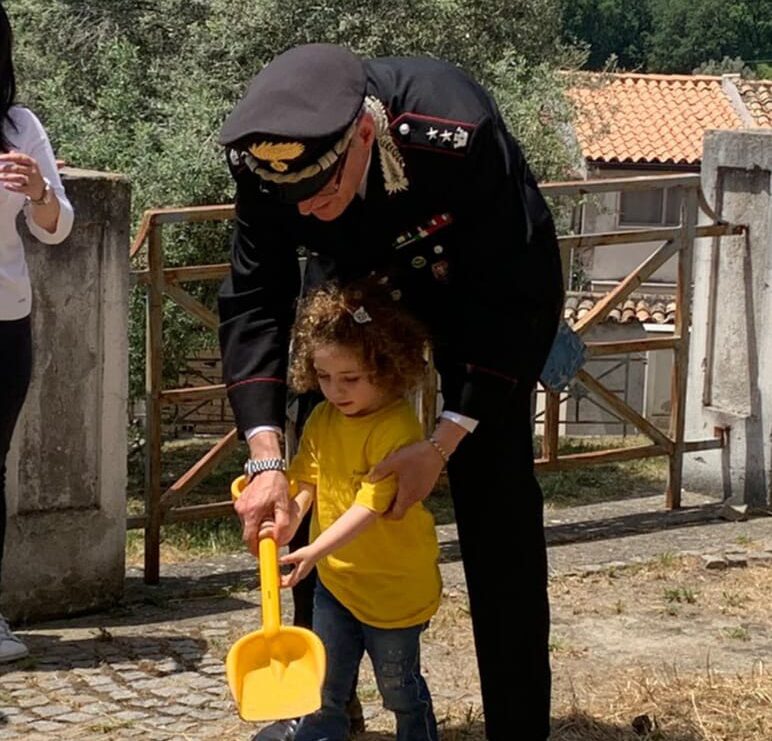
x: 601, y: 214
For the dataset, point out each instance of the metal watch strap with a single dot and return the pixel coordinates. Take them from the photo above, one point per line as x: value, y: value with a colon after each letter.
x: 254, y: 466
x: 47, y: 196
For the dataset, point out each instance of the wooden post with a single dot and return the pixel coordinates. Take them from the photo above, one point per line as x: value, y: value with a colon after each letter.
x: 549, y: 444
x: 689, y: 215
x: 153, y: 386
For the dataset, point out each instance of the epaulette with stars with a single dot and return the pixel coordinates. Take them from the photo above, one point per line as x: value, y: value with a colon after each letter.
x: 417, y: 131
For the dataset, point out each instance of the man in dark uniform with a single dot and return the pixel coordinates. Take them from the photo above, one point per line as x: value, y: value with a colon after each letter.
x: 403, y: 169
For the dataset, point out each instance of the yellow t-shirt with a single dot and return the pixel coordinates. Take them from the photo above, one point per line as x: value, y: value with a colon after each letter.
x: 388, y: 575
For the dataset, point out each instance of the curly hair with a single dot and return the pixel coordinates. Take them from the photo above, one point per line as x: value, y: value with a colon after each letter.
x: 390, y: 342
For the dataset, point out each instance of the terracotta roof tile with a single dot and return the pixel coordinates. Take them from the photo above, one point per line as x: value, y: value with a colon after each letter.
x: 757, y: 96
x: 649, y: 118
x: 648, y: 309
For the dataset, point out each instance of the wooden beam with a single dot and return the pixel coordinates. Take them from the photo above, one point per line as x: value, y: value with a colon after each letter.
x: 549, y: 441
x: 680, y: 371
x: 694, y: 446
x: 153, y: 385
x: 194, y: 307
x: 620, y: 347
x: 193, y: 394
x: 602, y: 309
x: 637, y: 236
x: 598, y: 457
x: 139, y: 240
x: 608, y: 185
x: 186, y: 214
x: 185, y: 514
x: 624, y: 411
x: 188, y: 274
x: 200, y: 470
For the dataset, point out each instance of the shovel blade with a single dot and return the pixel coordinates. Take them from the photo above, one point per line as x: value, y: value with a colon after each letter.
x: 276, y: 677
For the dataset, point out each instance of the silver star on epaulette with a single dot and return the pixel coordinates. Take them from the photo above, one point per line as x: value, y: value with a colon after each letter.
x: 431, y: 135
x: 446, y: 136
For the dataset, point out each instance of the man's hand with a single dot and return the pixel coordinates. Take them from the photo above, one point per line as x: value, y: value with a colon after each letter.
x: 265, y: 498
x: 417, y: 468
x: 304, y: 560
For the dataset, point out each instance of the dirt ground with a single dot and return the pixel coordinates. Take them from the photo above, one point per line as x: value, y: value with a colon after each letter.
x: 682, y: 645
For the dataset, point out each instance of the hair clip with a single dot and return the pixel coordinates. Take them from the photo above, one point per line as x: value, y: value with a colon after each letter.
x: 360, y: 315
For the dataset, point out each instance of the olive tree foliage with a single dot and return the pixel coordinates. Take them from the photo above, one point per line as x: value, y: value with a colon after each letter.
x: 142, y: 87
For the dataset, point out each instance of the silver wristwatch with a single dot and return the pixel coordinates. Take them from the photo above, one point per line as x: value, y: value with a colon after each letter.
x: 254, y: 466
x: 47, y: 197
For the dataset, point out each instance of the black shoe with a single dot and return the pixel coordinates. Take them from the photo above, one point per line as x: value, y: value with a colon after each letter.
x: 281, y: 730
x: 355, y: 716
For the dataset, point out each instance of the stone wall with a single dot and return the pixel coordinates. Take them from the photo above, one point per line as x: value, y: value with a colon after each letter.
x: 730, y: 365
x: 66, y: 482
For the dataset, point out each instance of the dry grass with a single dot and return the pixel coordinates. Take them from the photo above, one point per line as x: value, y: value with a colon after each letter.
x: 679, y: 707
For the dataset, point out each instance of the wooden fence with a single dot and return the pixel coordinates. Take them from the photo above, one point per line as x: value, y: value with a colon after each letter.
x: 162, y: 506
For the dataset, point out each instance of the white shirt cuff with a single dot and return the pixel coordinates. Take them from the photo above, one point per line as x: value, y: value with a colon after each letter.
x: 252, y: 431
x: 467, y: 423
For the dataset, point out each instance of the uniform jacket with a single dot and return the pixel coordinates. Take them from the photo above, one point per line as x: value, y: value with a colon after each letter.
x: 469, y: 247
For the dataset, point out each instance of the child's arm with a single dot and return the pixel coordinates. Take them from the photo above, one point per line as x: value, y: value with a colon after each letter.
x: 350, y: 524
x: 299, y: 506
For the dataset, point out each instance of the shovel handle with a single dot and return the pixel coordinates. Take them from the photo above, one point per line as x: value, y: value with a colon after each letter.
x: 269, y: 580
x: 269, y: 568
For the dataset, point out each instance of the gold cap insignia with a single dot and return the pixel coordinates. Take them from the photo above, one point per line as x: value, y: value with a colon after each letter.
x: 276, y: 152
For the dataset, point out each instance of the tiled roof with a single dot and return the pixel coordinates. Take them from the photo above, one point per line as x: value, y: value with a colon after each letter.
x: 645, y: 309
x: 640, y: 118
x: 757, y: 96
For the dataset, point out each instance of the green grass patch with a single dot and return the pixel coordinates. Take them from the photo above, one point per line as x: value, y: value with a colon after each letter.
x: 223, y: 535
x: 602, y: 483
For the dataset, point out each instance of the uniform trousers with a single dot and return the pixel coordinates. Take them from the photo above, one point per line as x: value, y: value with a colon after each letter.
x: 15, y: 370
x: 499, y: 515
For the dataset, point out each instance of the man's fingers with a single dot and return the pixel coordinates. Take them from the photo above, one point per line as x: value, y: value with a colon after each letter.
x: 380, y: 471
x: 397, y: 511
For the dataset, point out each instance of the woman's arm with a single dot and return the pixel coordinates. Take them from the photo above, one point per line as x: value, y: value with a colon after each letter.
x: 351, y: 523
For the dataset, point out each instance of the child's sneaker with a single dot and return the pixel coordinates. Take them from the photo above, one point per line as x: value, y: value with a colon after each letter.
x: 11, y: 647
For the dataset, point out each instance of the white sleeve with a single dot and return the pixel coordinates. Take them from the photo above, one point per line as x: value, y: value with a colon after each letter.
x: 467, y: 423
x: 252, y: 431
x: 40, y: 150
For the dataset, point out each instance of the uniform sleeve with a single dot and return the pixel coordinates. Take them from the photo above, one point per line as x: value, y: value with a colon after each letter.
x: 40, y: 150
x: 392, y: 434
x: 305, y: 464
x: 509, y: 276
x: 256, y: 303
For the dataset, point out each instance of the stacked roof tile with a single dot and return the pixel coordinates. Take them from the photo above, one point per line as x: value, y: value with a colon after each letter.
x: 646, y: 309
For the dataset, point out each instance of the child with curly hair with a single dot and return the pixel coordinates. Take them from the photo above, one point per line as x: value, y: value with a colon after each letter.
x: 378, y: 580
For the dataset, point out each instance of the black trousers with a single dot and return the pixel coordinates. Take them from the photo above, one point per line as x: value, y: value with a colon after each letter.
x: 499, y: 515
x: 15, y: 370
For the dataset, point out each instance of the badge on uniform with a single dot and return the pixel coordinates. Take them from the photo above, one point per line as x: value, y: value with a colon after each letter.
x: 440, y: 271
x: 433, y: 225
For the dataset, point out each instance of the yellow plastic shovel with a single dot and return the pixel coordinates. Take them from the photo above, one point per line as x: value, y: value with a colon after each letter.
x: 276, y: 672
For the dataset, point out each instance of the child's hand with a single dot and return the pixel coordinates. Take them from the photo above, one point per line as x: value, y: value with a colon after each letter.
x: 304, y: 559
x: 295, y: 518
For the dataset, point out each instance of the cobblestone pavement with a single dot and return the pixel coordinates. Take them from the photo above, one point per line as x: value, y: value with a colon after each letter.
x: 153, y: 667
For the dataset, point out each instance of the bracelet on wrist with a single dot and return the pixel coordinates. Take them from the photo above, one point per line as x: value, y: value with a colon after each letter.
x: 443, y: 453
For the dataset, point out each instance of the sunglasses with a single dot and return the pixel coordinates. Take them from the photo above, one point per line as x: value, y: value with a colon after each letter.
x: 332, y: 187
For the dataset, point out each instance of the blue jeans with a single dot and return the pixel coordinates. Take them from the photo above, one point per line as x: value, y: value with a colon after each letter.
x: 396, y: 659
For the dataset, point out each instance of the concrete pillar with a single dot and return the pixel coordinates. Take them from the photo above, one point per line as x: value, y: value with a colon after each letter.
x: 66, y: 481
x: 730, y: 367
